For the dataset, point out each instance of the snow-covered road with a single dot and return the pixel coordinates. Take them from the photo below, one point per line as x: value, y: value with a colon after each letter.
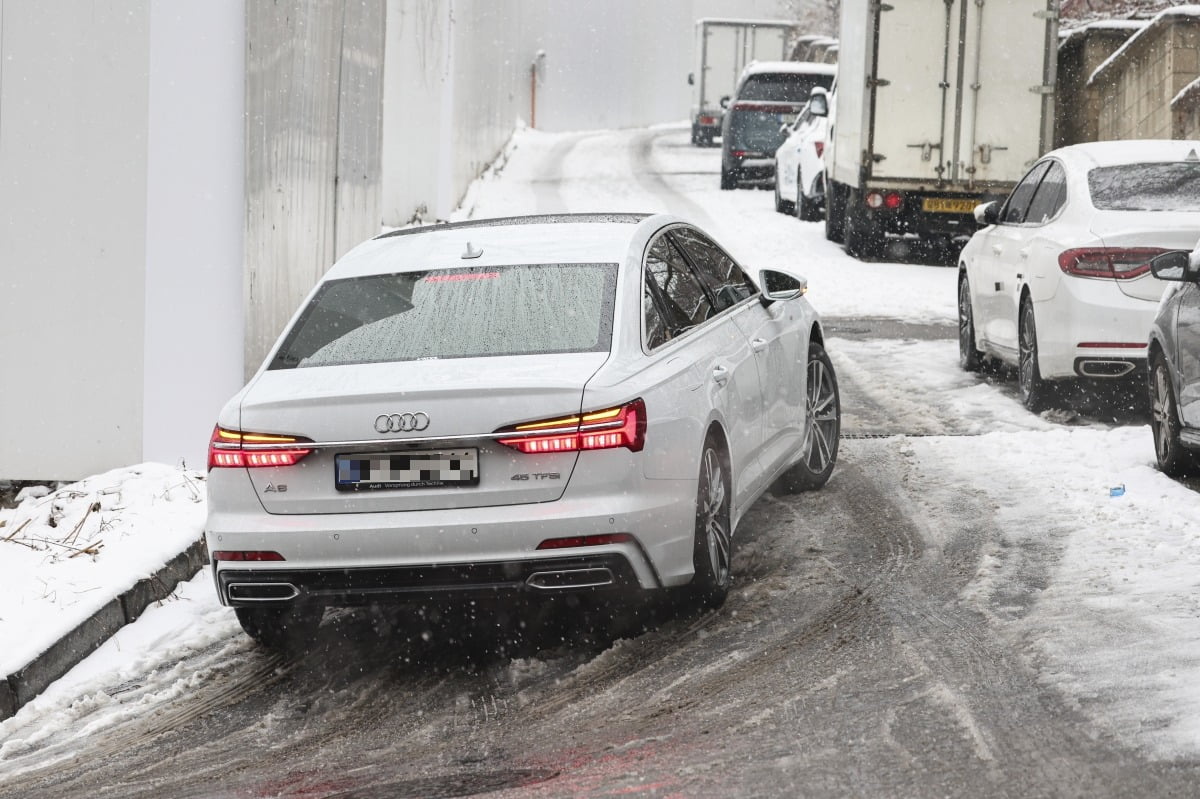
x: 966, y: 610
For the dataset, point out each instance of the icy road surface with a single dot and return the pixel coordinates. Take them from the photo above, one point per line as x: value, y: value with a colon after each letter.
x: 963, y: 611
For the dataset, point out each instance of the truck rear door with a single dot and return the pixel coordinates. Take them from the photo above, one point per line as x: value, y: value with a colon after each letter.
x: 964, y: 105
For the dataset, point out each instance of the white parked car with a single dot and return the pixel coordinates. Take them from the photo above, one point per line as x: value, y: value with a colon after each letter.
x: 1059, y: 283
x: 516, y: 407
x: 799, y: 170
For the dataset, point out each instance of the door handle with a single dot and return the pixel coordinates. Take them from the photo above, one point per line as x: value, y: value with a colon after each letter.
x: 758, y: 344
x: 1025, y: 253
x: 720, y: 375
x: 997, y: 249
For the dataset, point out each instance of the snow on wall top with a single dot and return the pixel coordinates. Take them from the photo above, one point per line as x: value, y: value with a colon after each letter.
x: 1071, y: 35
x: 1188, y: 97
x: 1163, y: 18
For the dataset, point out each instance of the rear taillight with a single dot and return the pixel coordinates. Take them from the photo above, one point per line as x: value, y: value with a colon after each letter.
x: 1120, y: 263
x: 256, y: 556
x: 607, y: 429
x: 819, y: 146
x: 879, y: 199
x: 231, y: 448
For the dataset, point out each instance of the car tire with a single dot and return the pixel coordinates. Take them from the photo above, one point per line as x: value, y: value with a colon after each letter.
x: 1035, y: 392
x: 822, y: 426
x: 1173, y: 458
x: 806, y: 210
x: 288, y: 630
x: 969, y: 359
x: 727, y: 181
x: 861, y: 238
x: 835, y: 212
x: 782, y: 206
x: 712, y: 554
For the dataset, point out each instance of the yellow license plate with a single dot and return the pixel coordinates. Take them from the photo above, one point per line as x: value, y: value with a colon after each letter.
x: 943, y: 205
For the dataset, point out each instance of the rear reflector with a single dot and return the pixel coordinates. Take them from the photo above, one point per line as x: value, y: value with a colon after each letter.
x: 254, y: 555
x: 230, y: 448
x: 819, y: 146
x: 769, y: 108
x: 624, y: 426
x: 1113, y: 345
x: 571, y: 542
x: 1120, y: 263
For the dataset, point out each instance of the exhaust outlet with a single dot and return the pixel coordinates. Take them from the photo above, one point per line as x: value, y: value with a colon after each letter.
x: 570, y: 578
x: 1105, y: 368
x: 263, y: 592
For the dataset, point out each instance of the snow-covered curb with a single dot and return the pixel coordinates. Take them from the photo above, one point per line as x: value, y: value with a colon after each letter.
x: 78, y: 563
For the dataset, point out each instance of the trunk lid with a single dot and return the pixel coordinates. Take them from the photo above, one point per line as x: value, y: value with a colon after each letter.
x: 463, y: 400
x: 1168, y: 230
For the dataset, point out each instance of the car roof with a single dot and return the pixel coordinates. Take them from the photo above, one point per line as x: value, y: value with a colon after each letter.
x: 539, y: 239
x: 793, y: 67
x: 1134, y: 151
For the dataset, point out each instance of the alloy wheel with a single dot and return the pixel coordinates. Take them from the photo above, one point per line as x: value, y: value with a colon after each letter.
x: 823, y: 422
x: 714, y: 516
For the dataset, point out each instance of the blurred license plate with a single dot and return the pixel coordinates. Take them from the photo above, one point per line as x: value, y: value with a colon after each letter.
x: 420, y: 469
x: 944, y: 205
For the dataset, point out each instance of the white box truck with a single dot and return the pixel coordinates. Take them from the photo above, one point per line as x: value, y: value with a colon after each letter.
x: 723, y: 48
x: 940, y: 105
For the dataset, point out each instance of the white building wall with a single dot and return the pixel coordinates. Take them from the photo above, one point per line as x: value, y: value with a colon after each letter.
x: 121, y: 143
x: 195, y: 204
x: 73, y: 160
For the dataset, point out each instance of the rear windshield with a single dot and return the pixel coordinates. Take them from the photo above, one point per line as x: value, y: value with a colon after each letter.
x: 782, y: 87
x: 759, y: 131
x: 454, y: 313
x: 1146, y: 187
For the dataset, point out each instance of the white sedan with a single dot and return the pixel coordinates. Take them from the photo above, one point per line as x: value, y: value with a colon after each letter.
x: 799, y: 170
x: 1058, y: 283
x: 530, y: 407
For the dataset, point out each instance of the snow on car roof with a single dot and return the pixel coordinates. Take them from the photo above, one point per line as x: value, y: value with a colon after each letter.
x: 1131, y: 151
x: 558, y: 238
x: 796, y: 67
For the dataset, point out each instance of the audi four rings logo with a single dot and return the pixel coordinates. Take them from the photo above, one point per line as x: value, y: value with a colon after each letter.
x: 401, y: 422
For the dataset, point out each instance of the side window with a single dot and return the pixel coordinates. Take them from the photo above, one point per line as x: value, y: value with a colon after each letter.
x: 720, y: 273
x: 1049, y: 197
x: 1015, y: 208
x: 671, y: 286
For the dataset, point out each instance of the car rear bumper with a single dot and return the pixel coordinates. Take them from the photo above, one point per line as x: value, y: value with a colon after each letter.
x: 260, y: 587
x: 1089, y: 328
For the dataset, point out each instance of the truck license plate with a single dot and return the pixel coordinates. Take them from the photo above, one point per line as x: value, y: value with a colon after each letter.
x: 946, y: 205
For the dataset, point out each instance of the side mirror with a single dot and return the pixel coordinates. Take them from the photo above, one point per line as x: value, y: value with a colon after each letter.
x: 725, y: 101
x: 1171, y: 265
x: 779, y: 285
x: 987, y: 214
x: 691, y: 79
x: 818, y: 103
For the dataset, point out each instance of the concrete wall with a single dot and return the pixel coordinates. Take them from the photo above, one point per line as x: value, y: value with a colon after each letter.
x: 1137, y: 84
x: 1077, y: 105
x: 120, y: 239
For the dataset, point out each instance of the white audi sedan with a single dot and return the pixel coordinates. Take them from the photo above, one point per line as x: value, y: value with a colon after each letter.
x: 1058, y: 283
x: 525, y: 407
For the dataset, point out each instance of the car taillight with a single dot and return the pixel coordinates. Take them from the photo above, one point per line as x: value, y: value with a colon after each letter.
x: 624, y: 426
x: 819, y: 146
x: 738, y: 153
x: 1120, y: 263
x: 231, y: 448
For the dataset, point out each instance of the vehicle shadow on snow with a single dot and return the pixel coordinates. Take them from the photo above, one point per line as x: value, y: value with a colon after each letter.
x: 468, y: 636
x: 1122, y: 402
